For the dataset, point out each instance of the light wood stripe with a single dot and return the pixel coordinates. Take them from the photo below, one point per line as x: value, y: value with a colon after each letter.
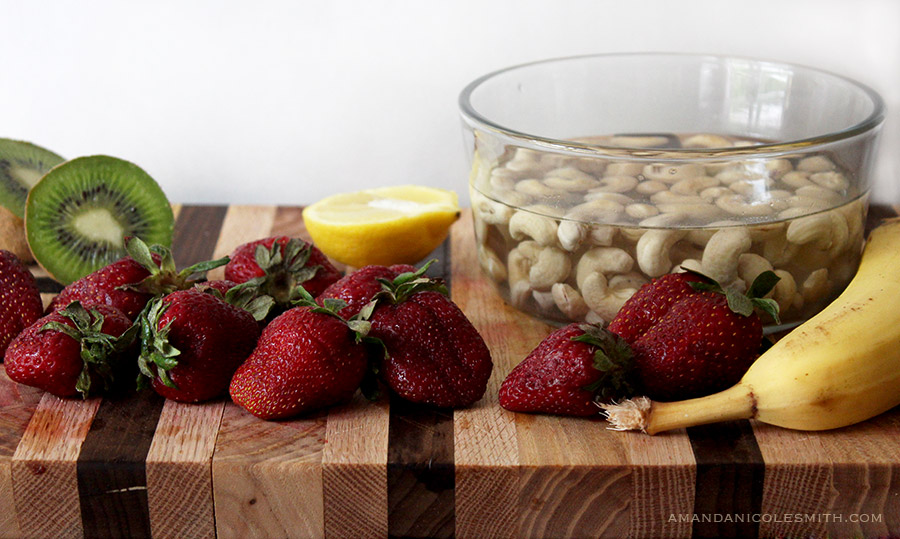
x: 242, y: 224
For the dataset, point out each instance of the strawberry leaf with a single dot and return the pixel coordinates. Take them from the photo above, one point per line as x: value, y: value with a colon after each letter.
x: 614, y: 360
x: 763, y: 284
x: 768, y: 306
x: 738, y: 303
x: 409, y: 283
x: 157, y: 356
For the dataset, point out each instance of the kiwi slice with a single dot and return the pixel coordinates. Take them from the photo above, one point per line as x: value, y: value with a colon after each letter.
x: 22, y: 164
x: 78, y: 215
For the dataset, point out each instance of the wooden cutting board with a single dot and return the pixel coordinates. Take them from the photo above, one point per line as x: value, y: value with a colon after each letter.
x: 140, y: 466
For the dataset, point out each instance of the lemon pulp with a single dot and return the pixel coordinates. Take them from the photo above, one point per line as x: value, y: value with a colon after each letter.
x: 384, y: 226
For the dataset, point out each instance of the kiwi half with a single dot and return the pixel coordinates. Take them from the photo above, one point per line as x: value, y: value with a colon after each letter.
x: 22, y: 164
x: 79, y: 214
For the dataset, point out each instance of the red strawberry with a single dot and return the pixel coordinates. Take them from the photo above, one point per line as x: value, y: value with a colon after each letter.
x: 130, y: 282
x: 71, y: 351
x: 433, y: 353
x: 307, y: 358
x: 192, y: 342
x: 20, y: 300
x: 358, y: 288
x: 569, y: 372
x: 704, y: 342
x: 278, y: 264
x: 651, y: 301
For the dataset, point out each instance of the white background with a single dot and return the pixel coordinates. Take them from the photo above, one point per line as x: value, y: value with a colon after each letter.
x: 279, y: 102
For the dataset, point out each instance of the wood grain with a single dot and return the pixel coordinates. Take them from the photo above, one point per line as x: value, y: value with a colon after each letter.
x: 44, y: 470
x: 18, y: 403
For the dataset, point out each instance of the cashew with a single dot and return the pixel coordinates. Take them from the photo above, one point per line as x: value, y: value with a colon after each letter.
x: 696, y: 211
x: 605, y: 260
x: 551, y: 266
x: 706, y: 141
x: 653, y: 250
x: 602, y: 234
x: 816, y: 163
x: 751, y: 188
x: 632, y: 234
x: 750, y: 265
x: 815, y: 286
x: 608, y: 200
x: 555, y: 160
x: 692, y: 186
x: 737, y: 205
x: 830, y: 180
x: 672, y: 173
x: 571, y: 234
x: 492, y: 264
x: 601, y: 299
x: 815, y: 191
x: 665, y: 220
x: 778, y: 167
x: 641, y: 211
x: 649, y: 187
x: 570, y: 179
x: 720, y: 257
x: 524, y: 224
x: 593, y: 318
x: 617, y: 184
x: 502, y: 182
x: 796, y: 179
x: 628, y: 280
x: 639, y: 141
x: 591, y: 165
x: 688, y: 264
x: 779, y: 251
x: 544, y: 300
x: 710, y: 194
x: 824, y: 230
x: 624, y: 169
x: 738, y: 173
x: 569, y: 301
x: 785, y: 291
x: 537, y: 188
x: 505, y: 177
x: 488, y: 210
x: 668, y: 197
x: 524, y: 160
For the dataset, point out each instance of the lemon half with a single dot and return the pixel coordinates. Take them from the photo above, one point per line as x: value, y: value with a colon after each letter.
x: 384, y: 226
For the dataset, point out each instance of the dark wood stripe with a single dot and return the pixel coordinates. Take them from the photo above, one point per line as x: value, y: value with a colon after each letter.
x: 46, y: 285
x: 112, y: 480
x: 421, y: 472
x: 729, y: 485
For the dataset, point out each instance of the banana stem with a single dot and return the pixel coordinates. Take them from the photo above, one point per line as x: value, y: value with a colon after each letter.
x: 736, y: 402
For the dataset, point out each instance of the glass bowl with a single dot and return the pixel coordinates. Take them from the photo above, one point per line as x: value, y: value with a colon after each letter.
x: 591, y: 175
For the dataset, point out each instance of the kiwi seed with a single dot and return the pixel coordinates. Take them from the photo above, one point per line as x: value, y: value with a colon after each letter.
x: 78, y: 215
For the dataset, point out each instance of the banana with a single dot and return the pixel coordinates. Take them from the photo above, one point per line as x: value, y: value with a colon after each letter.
x: 838, y: 368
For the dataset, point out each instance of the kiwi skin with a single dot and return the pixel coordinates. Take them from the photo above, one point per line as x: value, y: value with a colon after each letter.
x: 123, y: 193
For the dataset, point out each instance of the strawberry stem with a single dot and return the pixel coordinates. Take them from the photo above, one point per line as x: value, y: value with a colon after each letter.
x: 164, y: 277
x: 613, y: 359
x: 157, y: 355
x: 744, y: 304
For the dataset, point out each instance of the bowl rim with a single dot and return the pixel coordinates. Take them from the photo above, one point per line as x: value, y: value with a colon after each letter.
x: 870, y: 123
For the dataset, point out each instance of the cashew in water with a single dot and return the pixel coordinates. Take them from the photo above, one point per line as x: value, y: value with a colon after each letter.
x: 706, y: 141
x: 617, y: 184
x: 672, y: 173
x: 778, y: 167
x: 489, y: 211
x: 694, y: 211
x: 668, y: 197
x: 665, y: 220
x: 492, y: 264
x: 641, y: 211
x: 785, y: 291
x: 815, y: 191
x: 505, y: 178
x: 639, y: 141
x: 750, y: 265
x: 524, y: 224
x: 571, y: 234
x: 710, y: 194
x: 816, y: 163
x: 555, y: 160
x: 628, y: 280
x: 830, y: 180
x: 720, y: 257
x: 570, y: 179
x: 605, y: 260
x: 551, y: 266
x: 825, y: 230
x: 693, y: 186
x: 607, y: 200
x: 602, y: 299
x: 624, y: 169
x: 737, y: 205
x: 779, y: 251
x: 539, y: 189
x: 815, y: 286
x: 649, y: 187
x: 797, y: 179
x: 751, y: 188
x: 602, y: 234
x: 569, y: 301
x: 544, y: 300
x: 653, y: 250
x: 688, y: 264
x: 591, y: 165
x: 593, y: 318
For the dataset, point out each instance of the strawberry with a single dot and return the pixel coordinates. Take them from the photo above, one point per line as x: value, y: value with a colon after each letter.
x: 278, y: 264
x: 130, y: 282
x: 358, y: 288
x: 72, y: 350
x: 307, y: 358
x: 432, y: 352
x: 20, y: 300
x: 651, y: 301
x: 569, y: 372
x: 192, y: 342
x: 704, y: 342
